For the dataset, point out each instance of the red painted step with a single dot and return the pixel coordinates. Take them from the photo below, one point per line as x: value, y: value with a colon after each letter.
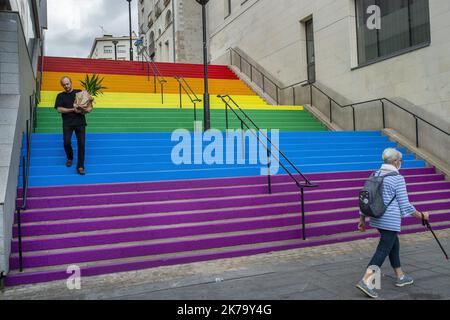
x: 82, y: 65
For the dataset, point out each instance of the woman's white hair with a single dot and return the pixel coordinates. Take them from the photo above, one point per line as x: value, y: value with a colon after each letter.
x: 390, y: 155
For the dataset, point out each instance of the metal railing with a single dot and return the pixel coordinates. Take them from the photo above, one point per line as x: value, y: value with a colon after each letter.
x: 184, y: 86
x: 265, y: 79
x: 382, y: 102
x: 157, y: 76
x: 332, y: 101
x: 227, y: 99
x: 26, y: 159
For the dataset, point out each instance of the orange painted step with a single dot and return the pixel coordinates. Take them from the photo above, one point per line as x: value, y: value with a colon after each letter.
x: 141, y: 84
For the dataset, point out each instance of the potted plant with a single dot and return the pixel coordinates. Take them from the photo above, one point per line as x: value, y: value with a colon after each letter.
x: 84, y: 100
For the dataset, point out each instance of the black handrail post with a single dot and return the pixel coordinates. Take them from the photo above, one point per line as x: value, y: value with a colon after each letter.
x: 28, y: 138
x: 243, y: 139
x: 293, y: 96
x: 195, y: 111
x: 311, y: 94
x: 181, y: 99
x: 276, y: 89
x: 383, y: 114
x: 263, y: 84
x: 269, y: 184
x: 19, y: 236
x: 226, y: 118
x: 354, y: 118
x: 31, y: 107
x: 331, y: 114
x: 417, y: 131
x: 240, y: 63
x: 251, y: 73
x: 303, y: 214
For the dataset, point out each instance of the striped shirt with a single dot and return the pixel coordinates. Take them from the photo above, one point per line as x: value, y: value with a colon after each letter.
x: 399, y: 208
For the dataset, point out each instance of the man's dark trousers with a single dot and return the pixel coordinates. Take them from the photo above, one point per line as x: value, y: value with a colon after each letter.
x: 80, y: 133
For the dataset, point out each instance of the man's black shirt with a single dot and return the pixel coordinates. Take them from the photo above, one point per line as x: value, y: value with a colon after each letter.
x: 66, y: 100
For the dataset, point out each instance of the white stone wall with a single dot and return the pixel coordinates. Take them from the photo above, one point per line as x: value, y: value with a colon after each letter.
x: 164, y: 41
x: 189, y: 32
x: 187, y: 36
x: 272, y: 34
x: 163, y: 34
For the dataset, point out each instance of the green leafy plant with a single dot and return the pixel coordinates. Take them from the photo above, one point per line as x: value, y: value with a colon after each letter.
x: 93, y: 85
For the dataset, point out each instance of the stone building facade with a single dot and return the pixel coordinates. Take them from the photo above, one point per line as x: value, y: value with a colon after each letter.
x: 171, y: 29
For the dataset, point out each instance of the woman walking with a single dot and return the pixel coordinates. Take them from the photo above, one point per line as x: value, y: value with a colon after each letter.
x: 389, y: 224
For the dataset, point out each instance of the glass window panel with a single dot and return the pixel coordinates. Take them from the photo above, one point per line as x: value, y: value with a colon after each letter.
x: 404, y: 24
x: 367, y: 38
x: 394, y: 33
x: 420, y: 22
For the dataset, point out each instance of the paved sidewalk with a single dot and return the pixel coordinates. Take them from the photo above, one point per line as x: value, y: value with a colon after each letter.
x: 326, y: 272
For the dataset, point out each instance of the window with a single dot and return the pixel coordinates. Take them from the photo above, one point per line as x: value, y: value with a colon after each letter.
x: 227, y: 7
x: 168, y: 18
x: 107, y: 49
x: 152, y: 37
x: 405, y: 25
x: 122, y: 49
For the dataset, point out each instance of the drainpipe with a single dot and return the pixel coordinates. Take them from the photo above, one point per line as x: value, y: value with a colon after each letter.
x: 173, y: 27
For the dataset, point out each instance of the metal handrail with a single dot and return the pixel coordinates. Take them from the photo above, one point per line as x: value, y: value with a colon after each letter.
x: 256, y: 126
x: 183, y: 84
x: 26, y: 160
x: 300, y: 185
x: 382, y: 101
x: 156, y: 73
x: 264, y: 77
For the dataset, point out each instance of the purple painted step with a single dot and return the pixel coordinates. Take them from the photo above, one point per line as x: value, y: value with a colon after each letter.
x: 120, y: 198
x: 147, y: 208
x: 199, y: 183
x: 59, y: 242
x: 176, y: 218
x: 171, y: 205
x: 61, y: 274
x: 95, y: 254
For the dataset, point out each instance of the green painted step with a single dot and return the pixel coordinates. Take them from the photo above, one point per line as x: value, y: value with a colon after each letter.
x: 156, y: 120
x: 157, y: 129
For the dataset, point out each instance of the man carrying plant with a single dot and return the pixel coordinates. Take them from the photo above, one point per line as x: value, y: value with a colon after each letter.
x: 73, y: 120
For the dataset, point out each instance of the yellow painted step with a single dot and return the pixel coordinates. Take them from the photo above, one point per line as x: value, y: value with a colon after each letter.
x: 150, y: 100
x: 137, y: 84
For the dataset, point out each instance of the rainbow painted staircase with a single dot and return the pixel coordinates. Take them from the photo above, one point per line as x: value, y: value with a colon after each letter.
x: 135, y: 209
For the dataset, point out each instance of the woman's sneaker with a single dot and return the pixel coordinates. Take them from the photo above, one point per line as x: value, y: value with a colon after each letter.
x: 364, y: 288
x: 403, y: 281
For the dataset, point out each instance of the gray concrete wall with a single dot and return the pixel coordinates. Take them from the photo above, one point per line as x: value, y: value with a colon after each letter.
x: 273, y: 35
x: 17, y: 83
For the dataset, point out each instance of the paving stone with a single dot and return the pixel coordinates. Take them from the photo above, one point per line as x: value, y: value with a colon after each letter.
x: 295, y: 274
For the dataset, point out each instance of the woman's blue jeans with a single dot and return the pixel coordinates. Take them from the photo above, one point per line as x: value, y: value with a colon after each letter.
x: 389, y: 245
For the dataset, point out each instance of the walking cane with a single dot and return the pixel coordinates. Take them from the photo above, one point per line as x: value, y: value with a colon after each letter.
x: 427, y: 224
